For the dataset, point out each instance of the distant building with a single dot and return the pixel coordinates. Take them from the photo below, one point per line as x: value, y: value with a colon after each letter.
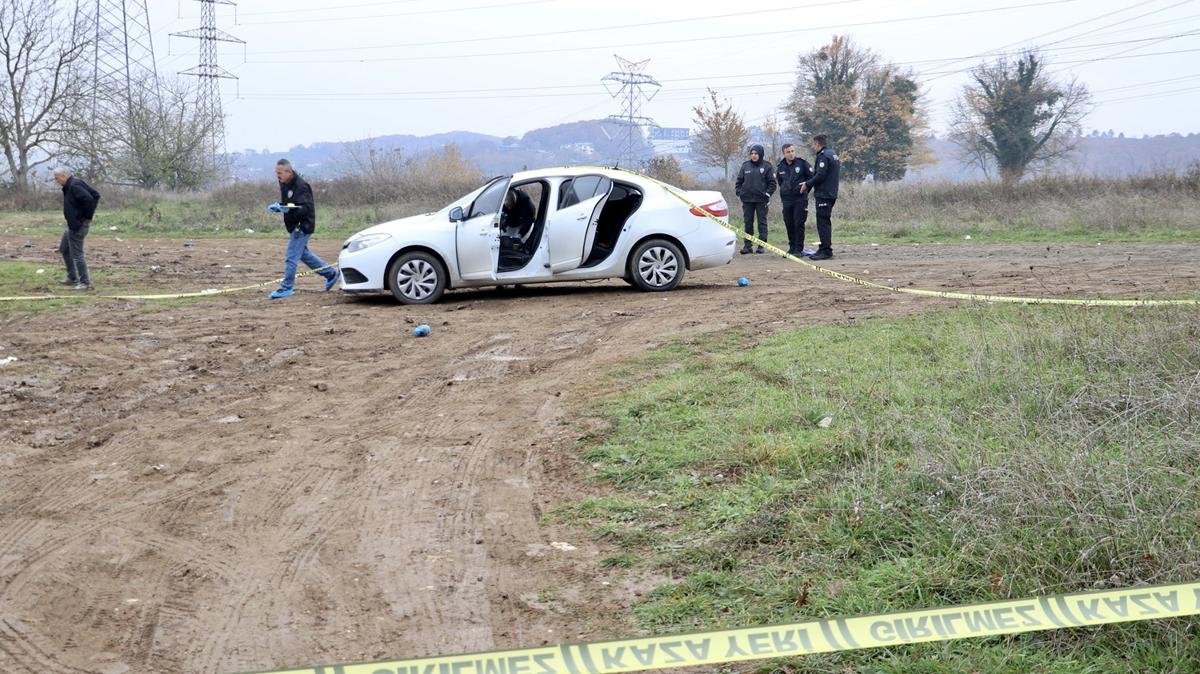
x: 669, y: 133
x: 587, y: 149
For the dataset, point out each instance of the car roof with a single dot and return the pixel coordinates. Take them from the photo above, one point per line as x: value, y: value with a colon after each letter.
x: 572, y: 171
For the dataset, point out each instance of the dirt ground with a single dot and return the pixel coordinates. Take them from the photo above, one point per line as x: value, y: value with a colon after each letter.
x: 236, y: 484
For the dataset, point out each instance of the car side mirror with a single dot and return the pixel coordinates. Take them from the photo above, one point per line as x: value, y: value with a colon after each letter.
x: 456, y: 214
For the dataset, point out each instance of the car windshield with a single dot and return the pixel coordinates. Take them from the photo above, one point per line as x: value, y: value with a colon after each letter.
x: 466, y: 200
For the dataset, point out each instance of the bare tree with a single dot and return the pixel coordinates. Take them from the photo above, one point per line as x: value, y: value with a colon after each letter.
x: 772, y: 130
x: 42, y: 49
x: 1015, y: 116
x: 721, y: 133
x: 156, y: 139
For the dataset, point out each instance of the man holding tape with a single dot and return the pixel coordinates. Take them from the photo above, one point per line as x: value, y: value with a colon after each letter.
x: 824, y: 185
x: 300, y: 218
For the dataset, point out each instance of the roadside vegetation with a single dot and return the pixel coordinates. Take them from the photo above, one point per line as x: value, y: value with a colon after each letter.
x: 1146, y: 209
x: 961, y: 456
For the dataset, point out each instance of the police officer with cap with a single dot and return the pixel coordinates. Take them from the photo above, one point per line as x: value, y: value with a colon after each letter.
x: 791, y: 172
x: 824, y: 185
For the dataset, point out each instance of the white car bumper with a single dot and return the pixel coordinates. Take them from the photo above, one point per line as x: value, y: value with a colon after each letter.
x: 711, y: 247
x: 364, y: 270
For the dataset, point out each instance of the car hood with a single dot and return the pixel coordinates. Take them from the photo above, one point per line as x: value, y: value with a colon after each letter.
x: 396, y: 226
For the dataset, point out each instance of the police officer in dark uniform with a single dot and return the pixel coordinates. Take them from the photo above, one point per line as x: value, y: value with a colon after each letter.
x: 791, y: 172
x: 755, y: 185
x: 824, y: 185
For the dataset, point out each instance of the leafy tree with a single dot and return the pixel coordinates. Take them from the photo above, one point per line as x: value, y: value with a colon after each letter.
x: 721, y: 133
x: 666, y: 168
x: 870, y: 111
x: 1016, y: 117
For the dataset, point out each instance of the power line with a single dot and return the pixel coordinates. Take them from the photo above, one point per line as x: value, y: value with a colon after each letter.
x: 1151, y: 95
x: 1145, y: 84
x: 450, y: 10
x: 508, y: 92
x: 556, y: 33
x: 709, y: 38
x: 997, y: 51
x: 331, y: 8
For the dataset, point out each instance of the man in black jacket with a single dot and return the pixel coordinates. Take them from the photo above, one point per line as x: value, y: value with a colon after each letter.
x: 300, y: 218
x: 824, y: 184
x: 755, y: 185
x: 791, y: 172
x: 79, y: 205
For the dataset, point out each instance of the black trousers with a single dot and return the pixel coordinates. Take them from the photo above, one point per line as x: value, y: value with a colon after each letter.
x: 71, y: 249
x: 795, y: 215
x: 825, y: 224
x: 749, y: 210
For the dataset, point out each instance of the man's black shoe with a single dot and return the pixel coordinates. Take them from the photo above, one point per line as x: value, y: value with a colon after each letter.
x: 821, y: 255
x: 760, y: 250
x: 746, y: 250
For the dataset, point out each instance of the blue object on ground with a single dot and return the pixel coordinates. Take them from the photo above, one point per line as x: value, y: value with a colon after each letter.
x: 331, y: 282
x: 281, y: 293
x: 421, y: 330
x: 809, y: 251
x: 743, y: 281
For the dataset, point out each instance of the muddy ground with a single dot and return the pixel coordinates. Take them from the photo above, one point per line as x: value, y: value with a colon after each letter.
x: 236, y: 484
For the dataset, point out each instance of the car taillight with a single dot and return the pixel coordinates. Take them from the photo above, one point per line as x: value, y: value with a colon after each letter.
x: 716, y: 208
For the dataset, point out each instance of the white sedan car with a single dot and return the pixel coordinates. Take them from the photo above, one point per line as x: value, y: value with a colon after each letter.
x: 544, y: 226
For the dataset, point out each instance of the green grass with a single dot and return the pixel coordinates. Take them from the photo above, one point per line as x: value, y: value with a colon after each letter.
x: 937, y: 229
x: 173, y: 219
x: 1163, y: 208
x: 972, y: 455
x: 20, y: 279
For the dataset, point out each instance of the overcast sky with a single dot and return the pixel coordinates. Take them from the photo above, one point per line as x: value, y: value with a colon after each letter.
x: 333, y: 70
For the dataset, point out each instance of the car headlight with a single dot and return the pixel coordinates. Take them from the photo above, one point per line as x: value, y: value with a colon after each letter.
x: 358, y: 243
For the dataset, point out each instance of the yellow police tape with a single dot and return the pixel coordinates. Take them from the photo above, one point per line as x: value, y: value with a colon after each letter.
x: 165, y: 296
x: 944, y: 294
x: 806, y: 638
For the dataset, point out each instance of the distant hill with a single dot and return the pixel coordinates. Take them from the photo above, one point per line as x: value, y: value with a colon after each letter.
x: 591, y: 141
x: 1104, y: 156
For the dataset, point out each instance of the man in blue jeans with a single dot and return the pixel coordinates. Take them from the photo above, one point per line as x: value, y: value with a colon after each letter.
x: 300, y: 218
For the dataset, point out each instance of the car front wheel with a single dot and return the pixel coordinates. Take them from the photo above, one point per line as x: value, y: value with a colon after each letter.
x: 656, y: 265
x: 417, y: 277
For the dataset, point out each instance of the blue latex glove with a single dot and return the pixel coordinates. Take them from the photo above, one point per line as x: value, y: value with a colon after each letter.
x: 275, y: 208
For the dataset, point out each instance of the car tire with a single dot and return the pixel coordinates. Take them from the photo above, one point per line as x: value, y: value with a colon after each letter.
x: 656, y: 265
x: 417, y: 277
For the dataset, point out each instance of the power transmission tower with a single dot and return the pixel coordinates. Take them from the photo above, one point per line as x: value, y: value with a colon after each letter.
x: 124, y: 76
x: 210, y: 74
x: 630, y: 84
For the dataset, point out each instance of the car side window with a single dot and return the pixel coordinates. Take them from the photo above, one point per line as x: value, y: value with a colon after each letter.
x: 488, y: 202
x: 580, y: 189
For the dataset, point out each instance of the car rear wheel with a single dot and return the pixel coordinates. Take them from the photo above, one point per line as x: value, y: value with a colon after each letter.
x: 417, y: 277
x: 656, y: 265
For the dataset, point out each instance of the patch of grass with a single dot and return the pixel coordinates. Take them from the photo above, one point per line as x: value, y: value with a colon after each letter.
x: 177, y: 219
x: 957, y: 457
x: 1051, y: 209
x: 19, y: 279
